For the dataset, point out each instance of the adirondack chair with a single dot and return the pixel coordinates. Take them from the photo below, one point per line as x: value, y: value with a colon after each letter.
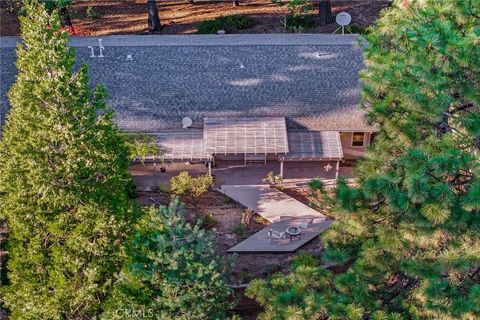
x: 274, y: 234
x: 306, y: 224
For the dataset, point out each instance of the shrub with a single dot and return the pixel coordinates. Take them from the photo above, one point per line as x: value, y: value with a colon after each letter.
x: 91, y: 13
x: 184, y: 183
x: 207, y: 220
x: 358, y: 29
x: 227, y: 23
x: 274, y: 180
x: 246, y: 216
x: 240, y: 229
x: 293, y: 22
x: 12, y: 6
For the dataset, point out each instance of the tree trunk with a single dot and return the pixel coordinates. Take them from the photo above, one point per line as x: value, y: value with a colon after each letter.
x: 235, y: 3
x: 65, y: 17
x: 325, y: 11
x: 153, y: 18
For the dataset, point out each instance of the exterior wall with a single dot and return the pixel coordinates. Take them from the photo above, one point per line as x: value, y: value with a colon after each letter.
x: 309, y: 169
x: 350, y: 152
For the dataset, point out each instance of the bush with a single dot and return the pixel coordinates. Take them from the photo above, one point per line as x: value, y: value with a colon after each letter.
x: 240, y: 229
x: 91, y: 13
x: 184, y: 183
x: 297, y: 21
x: 227, y: 23
x: 246, y: 216
x: 358, y: 29
x: 12, y: 6
x: 207, y: 221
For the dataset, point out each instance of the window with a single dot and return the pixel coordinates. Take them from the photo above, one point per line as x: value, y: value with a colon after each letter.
x: 357, y: 140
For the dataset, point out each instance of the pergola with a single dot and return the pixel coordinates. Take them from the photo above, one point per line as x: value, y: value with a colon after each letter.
x: 313, y: 146
x: 252, y: 137
x: 182, y: 145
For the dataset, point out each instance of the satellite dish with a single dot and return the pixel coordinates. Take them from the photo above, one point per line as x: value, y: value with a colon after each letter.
x: 343, y: 19
x: 186, y: 122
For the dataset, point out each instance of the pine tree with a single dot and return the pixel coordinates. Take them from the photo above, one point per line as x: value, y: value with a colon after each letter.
x: 409, y: 232
x: 64, y: 181
x: 173, y: 271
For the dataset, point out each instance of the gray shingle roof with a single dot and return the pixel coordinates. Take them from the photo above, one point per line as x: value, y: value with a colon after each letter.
x: 312, y: 80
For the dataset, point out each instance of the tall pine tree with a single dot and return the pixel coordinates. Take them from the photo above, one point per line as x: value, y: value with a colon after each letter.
x: 64, y: 181
x: 409, y: 233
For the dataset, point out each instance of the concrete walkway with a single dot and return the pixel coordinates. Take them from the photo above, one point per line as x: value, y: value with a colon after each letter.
x: 269, y: 202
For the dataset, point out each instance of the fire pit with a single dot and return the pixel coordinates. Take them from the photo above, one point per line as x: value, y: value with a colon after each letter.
x: 293, y: 232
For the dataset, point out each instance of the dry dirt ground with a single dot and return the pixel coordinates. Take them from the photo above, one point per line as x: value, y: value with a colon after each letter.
x: 227, y: 215
x: 180, y: 17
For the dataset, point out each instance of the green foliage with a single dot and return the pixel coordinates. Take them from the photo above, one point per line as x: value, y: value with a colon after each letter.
x: 173, y: 271
x: 358, y: 29
x: 295, y: 7
x: 304, y: 259
x: 142, y: 145
x: 319, y: 195
x: 227, y: 23
x: 410, y: 228
x: 207, y: 220
x: 64, y: 181
x: 91, y: 13
x: 184, y: 183
x: 298, y: 295
x: 297, y: 23
x: 408, y: 232
x: 273, y: 179
x: 12, y: 6
x: 240, y: 229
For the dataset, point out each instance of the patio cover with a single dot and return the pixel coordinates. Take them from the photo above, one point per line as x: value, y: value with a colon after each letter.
x: 245, y: 135
x: 313, y: 145
x: 182, y: 145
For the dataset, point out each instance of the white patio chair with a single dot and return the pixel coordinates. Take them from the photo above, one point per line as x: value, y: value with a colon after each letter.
x: 306, y: 224
x: 274, y: 234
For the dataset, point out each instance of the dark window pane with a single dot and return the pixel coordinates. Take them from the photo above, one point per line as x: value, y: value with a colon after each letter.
x: 357, y: 139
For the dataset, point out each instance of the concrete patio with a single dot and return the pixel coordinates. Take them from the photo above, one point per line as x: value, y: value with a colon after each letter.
x: 148, y: 176
x: 296, y: 173
x: 270, y: 203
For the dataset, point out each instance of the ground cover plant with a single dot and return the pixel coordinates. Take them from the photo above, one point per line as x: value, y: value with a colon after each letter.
x: 228, y: 24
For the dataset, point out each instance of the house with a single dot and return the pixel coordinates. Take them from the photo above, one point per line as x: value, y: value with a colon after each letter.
x: 290, y: 99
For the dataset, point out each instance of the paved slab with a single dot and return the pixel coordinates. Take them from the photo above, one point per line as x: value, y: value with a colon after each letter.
x: 261, y: 242
x: 269, y: 202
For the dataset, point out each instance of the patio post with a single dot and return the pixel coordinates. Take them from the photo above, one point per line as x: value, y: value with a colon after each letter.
x: 281, y: 169
x: 210, y: 168
x: 337, y: 169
